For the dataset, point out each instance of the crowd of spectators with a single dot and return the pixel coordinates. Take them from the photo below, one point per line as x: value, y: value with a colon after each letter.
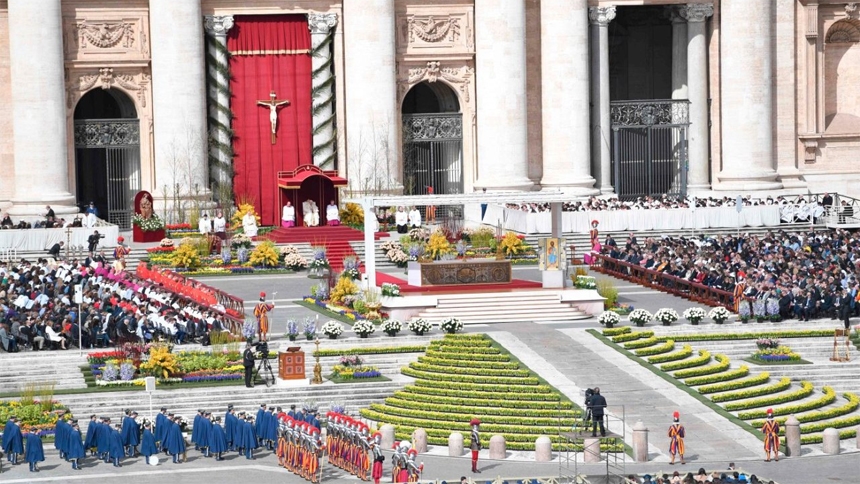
x: 38, y: 312
x: 595, y: 204
x: 89, y: 218
x: 807, y: 274
x: 730, y: 476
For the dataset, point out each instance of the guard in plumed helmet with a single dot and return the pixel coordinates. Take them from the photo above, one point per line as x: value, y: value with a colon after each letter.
x: 413, y: 469
x: 771, y: 437
x: 378, y: 458
x: 475, y: 443
x: 676, y: 438
x: 261, y: 312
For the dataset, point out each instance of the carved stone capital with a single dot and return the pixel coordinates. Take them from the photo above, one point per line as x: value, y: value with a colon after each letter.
x: 105, y: 78
x: 697, y: 12
x: 601, y: 15
x: 321, y: 23
x: 433, y: 71
x: 104, y: 35
x: 851, y: 9
x: 217, y: 25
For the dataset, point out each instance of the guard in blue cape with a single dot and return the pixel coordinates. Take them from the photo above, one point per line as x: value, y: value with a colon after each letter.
x: 292, y: 413
x: 75, y: 448
x: 160, y: 427
x: 13, y: 441
x: 35, y: 453
x: 130, y: 433
x: 239, y: 432
x: 116, y: 450
x: 167, y: 424
x: 272, y: 427
x: 203, y: 435
x: 230, y: 423
x: 147, y: 443
x: 90, y: 440
x: 174, y: 442
x: 61, y: 436
x: 249, y: 439
x: 196, y: 428
x: 217, y: 439
x: 103, y: 440
x: 259, y: 423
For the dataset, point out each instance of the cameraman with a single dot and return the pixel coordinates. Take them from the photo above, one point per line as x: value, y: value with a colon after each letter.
x: 93, y: 241
x: 248, y: 363
x: 596, y: 404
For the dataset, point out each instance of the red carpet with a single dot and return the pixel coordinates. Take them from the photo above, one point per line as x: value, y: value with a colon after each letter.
x: 336, y: 239
x: 382, y: 277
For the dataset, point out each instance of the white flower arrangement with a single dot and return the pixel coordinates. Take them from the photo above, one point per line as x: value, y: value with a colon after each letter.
x: 390, y: 289
x: 419, y: 326
x: 391, y: 326
x: 451, y: 325
x: 332, y: 329
x: 666, y: 316
x: 390, y: 245
x: 295, y: 262
x: 151, y: 224
x: 719, y: 314
x: 609, y: 318
x: 240, y: 241
x: 166, y: 242
x: 289, y: 249
x: 641, y: 317
x: 694, y: 315
x: 362, y: 328
x: 397, y: 256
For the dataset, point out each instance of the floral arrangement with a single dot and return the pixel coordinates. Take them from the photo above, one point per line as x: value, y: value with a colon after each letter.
x: 320, y: 261
x: 249, y: 329
x: 226, y: 255
x: 352, y: 215
x: 744, y: 311
x: 350, y: 268
x: 772, y: 309
x: 416, y: 251
x: 351, y: 360
x: 265, y: 255
x: 666, y: 316
x: 178, y: 226
x: 767, y: 343
x: 292, y: 329
x: 332, y: 329
x: 162, y: 363
x: 694, y: 315
x: 585, y: 282
x: 350, y: 373
x: 390, y: 289
x: 241, y: 210
x: 289, y: 249
x: 451, y: 325
x: 126, y: 371
x: 609, y: 318
x: 437, y: 245
x: 295, y: 262
x: 110, y: 372
x: 101, y: 357
x: 151, y: 224
x: 344, y: 287
x: 166, y: 242
x: 242, y: 255
x: 309, y: 327
x: 779, y: 353
x: 390, y: 245
x: 419, y: 326
x: 640, y: 317
x: 461, y: 247
x: 363, y: 328
x: 512, y: 244
x: 240, y: 241
x: 759, y: 309
x: 719, y: 314
x: 391, y: 327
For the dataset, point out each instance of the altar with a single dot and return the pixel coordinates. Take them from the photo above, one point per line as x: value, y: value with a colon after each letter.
x: 459, y: 272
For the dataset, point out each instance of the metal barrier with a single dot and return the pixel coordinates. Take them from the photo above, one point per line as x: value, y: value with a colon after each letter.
x: 8, y: 254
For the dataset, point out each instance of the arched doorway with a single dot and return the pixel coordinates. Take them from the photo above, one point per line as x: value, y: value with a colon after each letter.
x: 433, y: 143
x: 107, y: 154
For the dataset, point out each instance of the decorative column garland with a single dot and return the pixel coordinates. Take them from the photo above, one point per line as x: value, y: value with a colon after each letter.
x: 218, y: 100
x: 322, y: 26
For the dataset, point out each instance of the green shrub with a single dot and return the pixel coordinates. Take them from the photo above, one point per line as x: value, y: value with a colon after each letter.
x: 703, y: 359
x: 684, y: 352
x: 804, y: 391
x: 720, y: 377
x: 752, y: 381
x: 606, y: 288
x: 827, y: 398
x: 781, y: 385
x: 722, y: 364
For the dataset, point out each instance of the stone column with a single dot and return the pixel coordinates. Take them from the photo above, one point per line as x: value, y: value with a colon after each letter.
x: 217, y: 28
x: 321, y: 26
x: 500, y: 77
x: 564, y: 96
x: 372, y: 109
x: 640, y: 442
x: 697, y: 87
x: 178, y: 97
x: 38, y: 109
x: 747, y: 96
x: 792, y: 436
x: 601, y: 132
x: 679, y: 53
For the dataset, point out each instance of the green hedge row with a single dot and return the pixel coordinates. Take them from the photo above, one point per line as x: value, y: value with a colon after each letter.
x: 782, y: 385
x: 827, y: 398
x: 839, y: 423
x: 804, y: 391
x: 482, y: 357
x: 462, y: 391
x: 720, y: 377
x: 641, y: 343
x: 632, y: 335
x: 478, y: 379
x: 558, y: 444
x: 656, y: 349
x: 467, y: 370
x: 462, y: 343
x: 370, y: 350
x: 752, y: 381
x: 462, y: 350
x: 816, y: 415
x: 513, y: 413
x: 492, y: 365
x: 722, y: 364
x: 684, y: 352
x: 817, y: 439
x: 394, y: 406
x: 547, y: 408
x: 402, y: 416
x: 746, y: 336
x: 486, y: 387
x: 703, y: 359
x: 610, y: 332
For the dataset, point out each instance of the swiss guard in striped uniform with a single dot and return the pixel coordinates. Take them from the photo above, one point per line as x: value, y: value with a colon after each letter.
x: 676, y: 438
x: 261, y: 312
x: 771, y: 437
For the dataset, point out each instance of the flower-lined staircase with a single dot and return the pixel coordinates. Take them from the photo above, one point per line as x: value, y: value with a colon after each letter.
x: 336, y: 240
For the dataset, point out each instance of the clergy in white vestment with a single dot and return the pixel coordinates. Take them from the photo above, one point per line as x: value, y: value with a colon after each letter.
x: 219, y: 226
x: 332, y: 214
x: 414, y: 218
x: 204, y: 225
x: 310, y: 213
x: 288, y: 215
x: 249, y: 224
x: 401, y: 219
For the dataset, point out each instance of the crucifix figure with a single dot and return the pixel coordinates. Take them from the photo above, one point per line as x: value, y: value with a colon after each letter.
x: 273, y: 103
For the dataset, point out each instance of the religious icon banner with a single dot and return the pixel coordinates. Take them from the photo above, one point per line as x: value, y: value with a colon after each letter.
x: 552, y: 255
x: 270, y: 80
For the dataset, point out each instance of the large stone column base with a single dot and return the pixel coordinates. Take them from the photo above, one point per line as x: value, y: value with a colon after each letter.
x: 698, y: 189
x: 32, y: 210
x: 747, y: 181
x: 523, y: 184
x: 575, y: 186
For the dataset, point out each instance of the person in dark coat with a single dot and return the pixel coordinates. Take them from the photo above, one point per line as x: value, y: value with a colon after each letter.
x: 217, y: 439
x: 598, y: 404
x: 160, y: 426
x: 272, y: 429
x: 75, y: 448
x: 130, y: 434
x: 35, y: 453
x: 175, y: 443
x: 90, y: 440
x: 116, y: 449
x: 260, y: 423
x: 230, y: 423
x: 147, y: 443
x: 203, y: 435
x: 248, y: 363
x: 196, y: 428
x: 249, y: 438
x: 61, y: 436
x: 103, y: 440
x: 13, y: 441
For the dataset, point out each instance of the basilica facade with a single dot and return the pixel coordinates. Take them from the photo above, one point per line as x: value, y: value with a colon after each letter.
x: 270, y: 101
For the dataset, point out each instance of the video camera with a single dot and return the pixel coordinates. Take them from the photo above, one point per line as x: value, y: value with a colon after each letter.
x: 263, y: 348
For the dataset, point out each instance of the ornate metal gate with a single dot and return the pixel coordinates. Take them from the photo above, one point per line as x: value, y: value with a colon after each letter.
x: 116, y: 143
x: 433, y: 157
x: 649, y: 147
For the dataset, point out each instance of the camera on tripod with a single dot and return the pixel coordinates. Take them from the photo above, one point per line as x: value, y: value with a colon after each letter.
x: 263, y: 348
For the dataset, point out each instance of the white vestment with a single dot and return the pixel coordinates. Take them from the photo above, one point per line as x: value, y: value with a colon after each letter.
x: 310, y: 213
x: 289, y: 213
x: 415, y: 218
x: 204, y: 225
x: 249, y: 224
x: 332, y: 213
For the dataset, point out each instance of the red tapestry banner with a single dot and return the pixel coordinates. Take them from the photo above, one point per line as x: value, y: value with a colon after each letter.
x: 269, y: 54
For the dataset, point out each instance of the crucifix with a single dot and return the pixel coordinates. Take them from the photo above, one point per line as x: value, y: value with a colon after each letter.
x: 273, y: 103
x: 68, y: 241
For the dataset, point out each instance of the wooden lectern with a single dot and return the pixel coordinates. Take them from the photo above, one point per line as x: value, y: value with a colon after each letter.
x: 291, y: 364
x: 837, y: 355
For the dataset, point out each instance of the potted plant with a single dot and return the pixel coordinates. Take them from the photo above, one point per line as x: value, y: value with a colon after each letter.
x: 419, y: 326
x: 640, y: 317
x: 451, y: 325
x: 292, y: 329
x: 744, y: 311
x: 609, y: 318
x: 310, y: 329
x: 390, y: 290
x: 332, y: 329
x: 694, y: 315
x: 759, y: 311
x: 391, y: 327
x: 772, y: 307
x: 719, y: 314
x: 666, y: 316
x: 362, y: 328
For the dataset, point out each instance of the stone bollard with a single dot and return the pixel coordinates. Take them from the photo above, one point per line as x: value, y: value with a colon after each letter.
x: 387, y: 440
x: 543, y: 449
x: 831, y: 441
x: 592, y: 449
x: 640, y: 442
x: 419, y: 441
x: 498, y: 448
x: 858, y: 438
x: 792, y: 437
x: 455, y: 444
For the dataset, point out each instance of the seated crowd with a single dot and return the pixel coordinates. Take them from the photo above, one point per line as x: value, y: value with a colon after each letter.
x: 87, y: 219
x: 37, y: 311
x: 731, y: 476
x: 595, y: 204
x: 808, y: 275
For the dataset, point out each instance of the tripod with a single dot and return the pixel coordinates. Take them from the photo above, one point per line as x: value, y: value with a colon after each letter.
x: 264, y: 371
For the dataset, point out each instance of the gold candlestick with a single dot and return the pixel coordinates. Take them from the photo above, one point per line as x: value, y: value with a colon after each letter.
x: 317, y: 380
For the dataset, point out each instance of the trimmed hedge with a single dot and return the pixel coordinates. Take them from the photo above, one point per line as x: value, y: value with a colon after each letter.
x: 746, y: 336
x: 558, y: 444
x: 380, y: 350
x: 491, y: 365
x: 502, y: 380
x: 455, y: 408
x: 657, y: 349
x: 839, y: 423
x: 684, y: 352
x: 541, y: 408
x: 741, y: 372
x: 460, y: 423
x: 819, y: 438
x: 468, y: 370
x: 703, y: 359
x: 827, y: 398
x: 394, y: 406
x: 460, y: 356
x: 466, y: 342
x: 641, y: 343
x: 722, y: 364
x: 804, y: 391
x: 816, y: 415
x: 610, y: 332
x: 497, y: 389
x: 782, y: 385
x: 462, y: 394
x: 752, y: 381
x: 460, y: 350
x: 632, y: 335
